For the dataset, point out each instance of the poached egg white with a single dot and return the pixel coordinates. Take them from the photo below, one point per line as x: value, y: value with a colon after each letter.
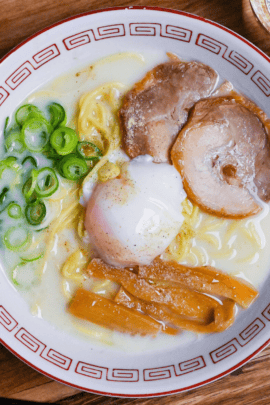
x: 133, y: 218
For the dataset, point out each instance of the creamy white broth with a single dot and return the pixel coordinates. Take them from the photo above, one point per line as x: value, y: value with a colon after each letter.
x: 48, y: 300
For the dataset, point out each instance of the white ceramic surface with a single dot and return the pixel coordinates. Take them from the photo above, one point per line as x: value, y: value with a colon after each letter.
x: 56, y: 50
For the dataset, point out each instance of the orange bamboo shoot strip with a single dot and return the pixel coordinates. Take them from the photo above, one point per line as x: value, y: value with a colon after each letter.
x: 223, y: 314
x: 169, y: 330
x: 182, y: 300
x: 203, y: 279
x: 105, y: 312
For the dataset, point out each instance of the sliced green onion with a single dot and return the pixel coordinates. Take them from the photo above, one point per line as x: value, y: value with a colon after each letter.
x: 5, y: 126
x: 3, y: 194
x: 52, y: 154
x: 15, y: 273
x: 29, y: 186
x: 6, y: 207
x: 9, y: 163
x: 17, y: 238
x: 32, y: 259
x: 26, y: 112
x: 14, y: 210
x: 46, y: 182
x: 14, y: 143
x: 58, y: 115
x: 31, y: 159
x: 28, y: 189
x: 88, y: 150
x: 36, y: 134
x: 24, y: 275
x: 72, y: 167
x: 42, y: 229
x: 35, y: 212
x: 64, y: 140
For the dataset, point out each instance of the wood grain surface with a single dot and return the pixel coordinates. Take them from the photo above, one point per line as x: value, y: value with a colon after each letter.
x: 248, y: 385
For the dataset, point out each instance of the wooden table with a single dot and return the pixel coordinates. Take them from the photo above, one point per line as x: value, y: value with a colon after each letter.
x: 248, y: 385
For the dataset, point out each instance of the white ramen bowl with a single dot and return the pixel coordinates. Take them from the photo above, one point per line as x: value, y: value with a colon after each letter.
x: 66, y: 358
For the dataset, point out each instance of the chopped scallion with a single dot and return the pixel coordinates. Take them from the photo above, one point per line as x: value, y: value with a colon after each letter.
x: 88, y: 150
x: 26, y: 112
x: 46, y: 182
x: 72, y: 167
x: 17, y: 238
x: 14, y: 210
x: 5, y: 126
x: 35, y: 212
x: 24, y: 275
x: 3, y: 194
x: 9, y: 163
x: 32, y: 259
x: 31, y: 159
x: 28, y: 189
x: 58, y: 115
x: 64, y: 140
x: 36, y: 133
x: 14, y: 143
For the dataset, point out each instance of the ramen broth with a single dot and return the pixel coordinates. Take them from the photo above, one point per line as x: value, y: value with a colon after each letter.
x: 238, y: 247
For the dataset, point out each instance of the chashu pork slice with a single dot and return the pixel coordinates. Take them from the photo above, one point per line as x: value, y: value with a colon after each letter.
x: 156, y: 108
x: 223, y: 156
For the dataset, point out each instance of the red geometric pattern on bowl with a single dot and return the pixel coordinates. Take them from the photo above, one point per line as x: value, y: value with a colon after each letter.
x: 123, y: 375
x: 159, y: 373
x: 44, y: 56
x: 224, y: 351
x: 3, y: 95
x: 26, y: 69
x: 7, y: 320
x: 210, y: 44
x: 29, y: 341
x: 182, y: 368
x: 231, y: 56
x: 80, y: 39
x: 251, y: 331
x: 83, y: 38
x: 238, y: 61
x: 110, y: 31
x: 262, y: 82
x: 90, y: 370
x: 19, y: 75
x: 151, y: 29
x: 248, y: 334
x: 189, y: 366
x: 139, y: 29
x: 266, y: 312
x: 32, y: 343
x: 119, y: 375
x: 93, y: 371
x: 144, y: 29
x: 56, y: 358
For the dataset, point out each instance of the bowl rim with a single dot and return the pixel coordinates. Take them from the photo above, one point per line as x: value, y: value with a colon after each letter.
x: 195, y: 17
x: 148, y: 8
x: 150, y: 395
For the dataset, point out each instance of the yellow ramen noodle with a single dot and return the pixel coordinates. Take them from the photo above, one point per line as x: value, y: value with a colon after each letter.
x: 200, y: 226
x: 98, y: 122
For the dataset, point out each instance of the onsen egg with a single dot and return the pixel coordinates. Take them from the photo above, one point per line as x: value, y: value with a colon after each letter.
x: 133, y: 218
